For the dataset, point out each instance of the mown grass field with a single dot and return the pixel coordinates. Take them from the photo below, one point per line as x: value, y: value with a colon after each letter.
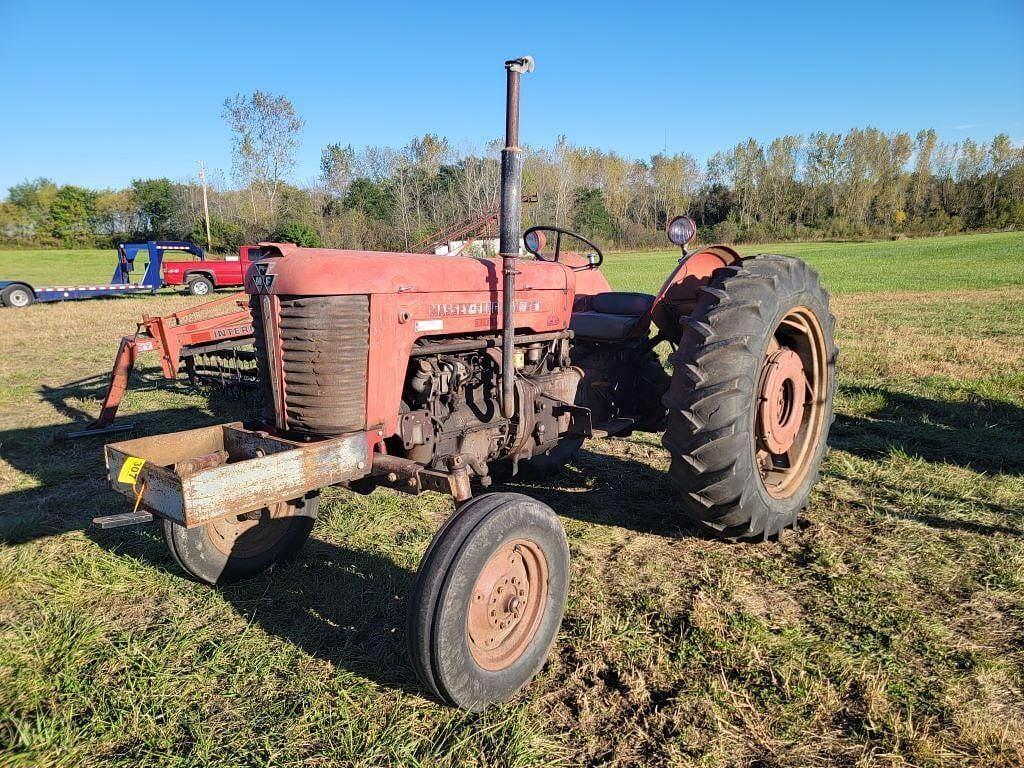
x: 934, y: 263
x: 59, y: 266
x: 887, y: 631
x: 929, y: 264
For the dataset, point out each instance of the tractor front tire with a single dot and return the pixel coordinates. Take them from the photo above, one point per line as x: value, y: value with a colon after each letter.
x: 750, y: 402
x: 239, y: 547
x: 200, y: 286
x: 488, y: 600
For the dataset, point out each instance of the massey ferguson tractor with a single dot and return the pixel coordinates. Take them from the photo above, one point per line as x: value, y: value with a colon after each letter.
x: 446, y: 373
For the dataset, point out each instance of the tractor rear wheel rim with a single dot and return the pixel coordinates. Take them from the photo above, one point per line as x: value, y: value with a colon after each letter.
x: 248, y: 535
x: 507, y: 604
x: 792, y: 395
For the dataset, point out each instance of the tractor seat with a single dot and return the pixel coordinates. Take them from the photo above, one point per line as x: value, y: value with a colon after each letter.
x: 614, y: 315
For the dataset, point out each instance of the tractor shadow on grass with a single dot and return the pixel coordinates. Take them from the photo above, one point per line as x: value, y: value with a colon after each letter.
x: 608, y: 488
x: 979, y: 434
x: 67, y: 483
x: 340, y: 605
x: 336, y: 604
x: 982, y: 435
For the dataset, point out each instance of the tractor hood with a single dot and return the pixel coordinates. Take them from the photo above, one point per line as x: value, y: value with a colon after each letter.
x: 289, y: 270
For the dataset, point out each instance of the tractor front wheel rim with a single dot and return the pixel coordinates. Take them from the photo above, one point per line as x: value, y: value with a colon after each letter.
x: 248, y: 535
x: 792, y: 396
x: 507, y: 604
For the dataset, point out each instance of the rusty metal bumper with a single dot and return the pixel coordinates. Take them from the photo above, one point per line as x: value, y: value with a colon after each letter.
x: 199, y: 475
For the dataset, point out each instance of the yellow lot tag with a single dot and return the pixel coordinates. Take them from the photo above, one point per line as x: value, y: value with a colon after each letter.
x: 130, y: 470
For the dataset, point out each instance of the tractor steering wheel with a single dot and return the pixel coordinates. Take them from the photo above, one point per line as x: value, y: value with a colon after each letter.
x: 535, y: 239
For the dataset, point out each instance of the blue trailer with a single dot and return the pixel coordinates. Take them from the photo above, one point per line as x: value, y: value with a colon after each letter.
x: 18, y: 293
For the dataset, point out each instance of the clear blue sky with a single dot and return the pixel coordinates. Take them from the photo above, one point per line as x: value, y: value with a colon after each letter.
x: 101, y: 93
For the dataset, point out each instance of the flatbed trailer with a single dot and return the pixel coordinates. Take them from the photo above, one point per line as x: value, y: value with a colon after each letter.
x: 19, y: 293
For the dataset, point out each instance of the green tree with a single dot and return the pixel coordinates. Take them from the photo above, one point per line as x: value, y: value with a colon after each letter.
x: 590, y: 216
x: 337, y: 164
x: 32, y: 195
x: 372, y: 199
x: 156, y: 203
x: 72, y: 214
x: 32, y: 201
x: 114, y: 212
x: 265, y: 135
x: 226, y: 236
x: 301, y: 234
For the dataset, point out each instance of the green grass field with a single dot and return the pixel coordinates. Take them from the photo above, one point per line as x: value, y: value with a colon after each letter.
x: 886, y: 631
x: 928, y: 264
x: 58, y: 267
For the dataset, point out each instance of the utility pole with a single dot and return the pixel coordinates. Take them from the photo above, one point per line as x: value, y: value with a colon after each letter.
x: 206, y: 206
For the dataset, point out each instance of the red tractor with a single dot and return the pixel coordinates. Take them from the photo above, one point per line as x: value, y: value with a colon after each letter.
x: 441, y: 373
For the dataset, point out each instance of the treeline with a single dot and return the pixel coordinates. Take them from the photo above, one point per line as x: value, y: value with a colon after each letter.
x: 865, y: 183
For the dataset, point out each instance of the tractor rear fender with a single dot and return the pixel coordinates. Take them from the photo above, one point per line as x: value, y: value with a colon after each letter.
x: 678, y: 295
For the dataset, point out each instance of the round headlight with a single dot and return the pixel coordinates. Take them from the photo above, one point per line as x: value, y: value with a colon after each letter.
x: 681, y: 230
x: 535, y: 241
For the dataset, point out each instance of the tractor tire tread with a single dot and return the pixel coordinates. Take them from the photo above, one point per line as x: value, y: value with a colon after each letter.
x: 713, y: 394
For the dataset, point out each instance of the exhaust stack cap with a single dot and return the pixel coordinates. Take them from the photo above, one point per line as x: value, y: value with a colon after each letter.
x: 523, y: 64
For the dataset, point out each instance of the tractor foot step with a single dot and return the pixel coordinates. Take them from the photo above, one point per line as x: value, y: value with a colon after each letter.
x: 612, y: 428
x: 123, y: 519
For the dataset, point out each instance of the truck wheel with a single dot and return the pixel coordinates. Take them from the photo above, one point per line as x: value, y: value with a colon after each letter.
x: 242, y: 546
x: 488, y: 600
x: 200, y: 286
x: 17, y: 296
x: 750, y: 403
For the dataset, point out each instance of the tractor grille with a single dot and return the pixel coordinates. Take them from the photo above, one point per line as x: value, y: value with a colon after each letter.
x: 324, y: 342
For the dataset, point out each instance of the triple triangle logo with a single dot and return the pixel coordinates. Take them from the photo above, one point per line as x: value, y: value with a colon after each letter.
x: 261, y: 281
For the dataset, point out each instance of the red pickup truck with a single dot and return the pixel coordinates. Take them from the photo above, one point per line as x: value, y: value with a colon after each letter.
x: 203, y: 275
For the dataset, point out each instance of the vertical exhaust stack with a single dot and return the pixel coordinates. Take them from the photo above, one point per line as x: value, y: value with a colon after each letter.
x: 511, y: 226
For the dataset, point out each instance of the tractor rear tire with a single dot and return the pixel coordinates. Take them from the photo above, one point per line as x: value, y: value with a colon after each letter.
x: 488, y: 600
x: 200, y: 286
x: 750, y: 402
x: 237, y: 548
x: 17, y: 296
